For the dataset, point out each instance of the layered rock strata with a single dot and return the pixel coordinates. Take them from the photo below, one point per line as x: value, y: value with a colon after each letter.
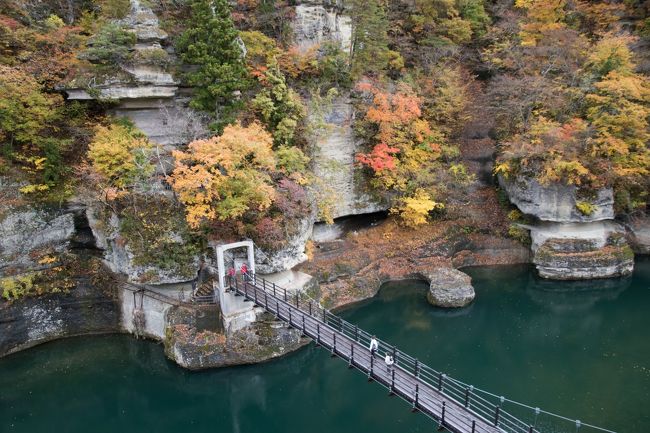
x: 576, y: 237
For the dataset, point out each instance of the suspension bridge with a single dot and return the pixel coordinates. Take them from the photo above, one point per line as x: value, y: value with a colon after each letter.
x: 452, y: 404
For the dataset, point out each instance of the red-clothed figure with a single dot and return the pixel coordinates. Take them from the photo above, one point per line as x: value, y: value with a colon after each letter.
x: 231, y: 275
x: 244, y: 269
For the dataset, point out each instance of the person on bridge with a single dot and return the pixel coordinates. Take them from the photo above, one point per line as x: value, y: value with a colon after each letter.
x: 374, y: 345
x: 389, y: 362
x: 231, y: 276
x: 243, y: 270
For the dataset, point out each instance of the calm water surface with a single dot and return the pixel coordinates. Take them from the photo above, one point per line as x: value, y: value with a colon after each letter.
x: 580, y: 349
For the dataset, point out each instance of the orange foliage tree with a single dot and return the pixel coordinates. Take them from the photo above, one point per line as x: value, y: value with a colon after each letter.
x: 404, y: 141
x: 405, y: 157
x: 222, y: 177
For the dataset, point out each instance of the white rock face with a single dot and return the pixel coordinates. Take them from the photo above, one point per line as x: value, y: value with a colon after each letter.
x: 556, y: 202
x: 149, y: 96
x: 577, y: 251
x: 23, y: 231
x: 153, y: 310
x: 334, y: 164
x: 595, y: 232
x: 318, y: 22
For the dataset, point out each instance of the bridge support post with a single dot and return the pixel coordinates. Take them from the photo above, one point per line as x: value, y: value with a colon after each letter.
x: 468, y: 390
x: 277, y: 309
x: 310, y: 308
x: 351, y: 361
x: 303, y: 327
x: 317, y: 334
x: 333, y: 345
x: 416, y: 398
x: 290, y: 322
x: 497, y: 414
x: 370, y: 371
x: 441, y: 379
x: 391, y: 391
x: 473, y: 426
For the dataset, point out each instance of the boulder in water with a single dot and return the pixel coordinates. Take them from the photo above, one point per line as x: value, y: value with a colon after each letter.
x: 449, y: 288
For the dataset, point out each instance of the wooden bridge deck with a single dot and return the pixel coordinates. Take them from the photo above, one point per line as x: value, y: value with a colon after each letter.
x: 402, y: 379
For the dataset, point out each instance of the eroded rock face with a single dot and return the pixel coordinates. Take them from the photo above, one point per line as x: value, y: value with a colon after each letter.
x: 557, y: 202
x: 570, y: 244
x: 581, y: 251
x: 197, y: 347
x: 120, y: 259
x: 449, y: 288
x: 147, y: 92
x: 86, y: 309
x: 320, y: 21
x: 334, y: 164
x: 26, y: 231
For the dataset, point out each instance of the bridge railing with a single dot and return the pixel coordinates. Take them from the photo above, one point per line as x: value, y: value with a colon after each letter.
x: 508, y: 415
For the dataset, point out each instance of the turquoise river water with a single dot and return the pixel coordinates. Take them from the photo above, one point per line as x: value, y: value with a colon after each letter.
x: 579, y: 349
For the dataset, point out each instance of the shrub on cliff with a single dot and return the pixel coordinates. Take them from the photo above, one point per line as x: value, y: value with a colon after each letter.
x: 279, y: 107
x: 111, y: 46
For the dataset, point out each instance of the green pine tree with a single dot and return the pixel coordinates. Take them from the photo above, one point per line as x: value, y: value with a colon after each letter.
x: 369, y: 50
x: 212, y: 43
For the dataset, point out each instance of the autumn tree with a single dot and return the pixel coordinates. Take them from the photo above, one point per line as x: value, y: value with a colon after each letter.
x: 121, y: 155
x: 414, y: 210
x: 279, y: 107
x: 542, y: 18
x: 618, y: 110
x: 225, y: 176
x: 211, y: 42
x: 27, y: 116
x: 570, y: 110
x: 405, y: 159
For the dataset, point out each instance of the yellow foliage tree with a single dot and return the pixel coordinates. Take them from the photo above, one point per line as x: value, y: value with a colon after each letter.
x: 543, y: 16
x: 121, y: 155
x: 223, y: 177
x: 414, y: 210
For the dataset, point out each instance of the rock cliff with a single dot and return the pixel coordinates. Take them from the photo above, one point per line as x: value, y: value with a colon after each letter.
x: 575, y: 238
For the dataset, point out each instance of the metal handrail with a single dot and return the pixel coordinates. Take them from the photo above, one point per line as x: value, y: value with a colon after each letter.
x: 456, y: 390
